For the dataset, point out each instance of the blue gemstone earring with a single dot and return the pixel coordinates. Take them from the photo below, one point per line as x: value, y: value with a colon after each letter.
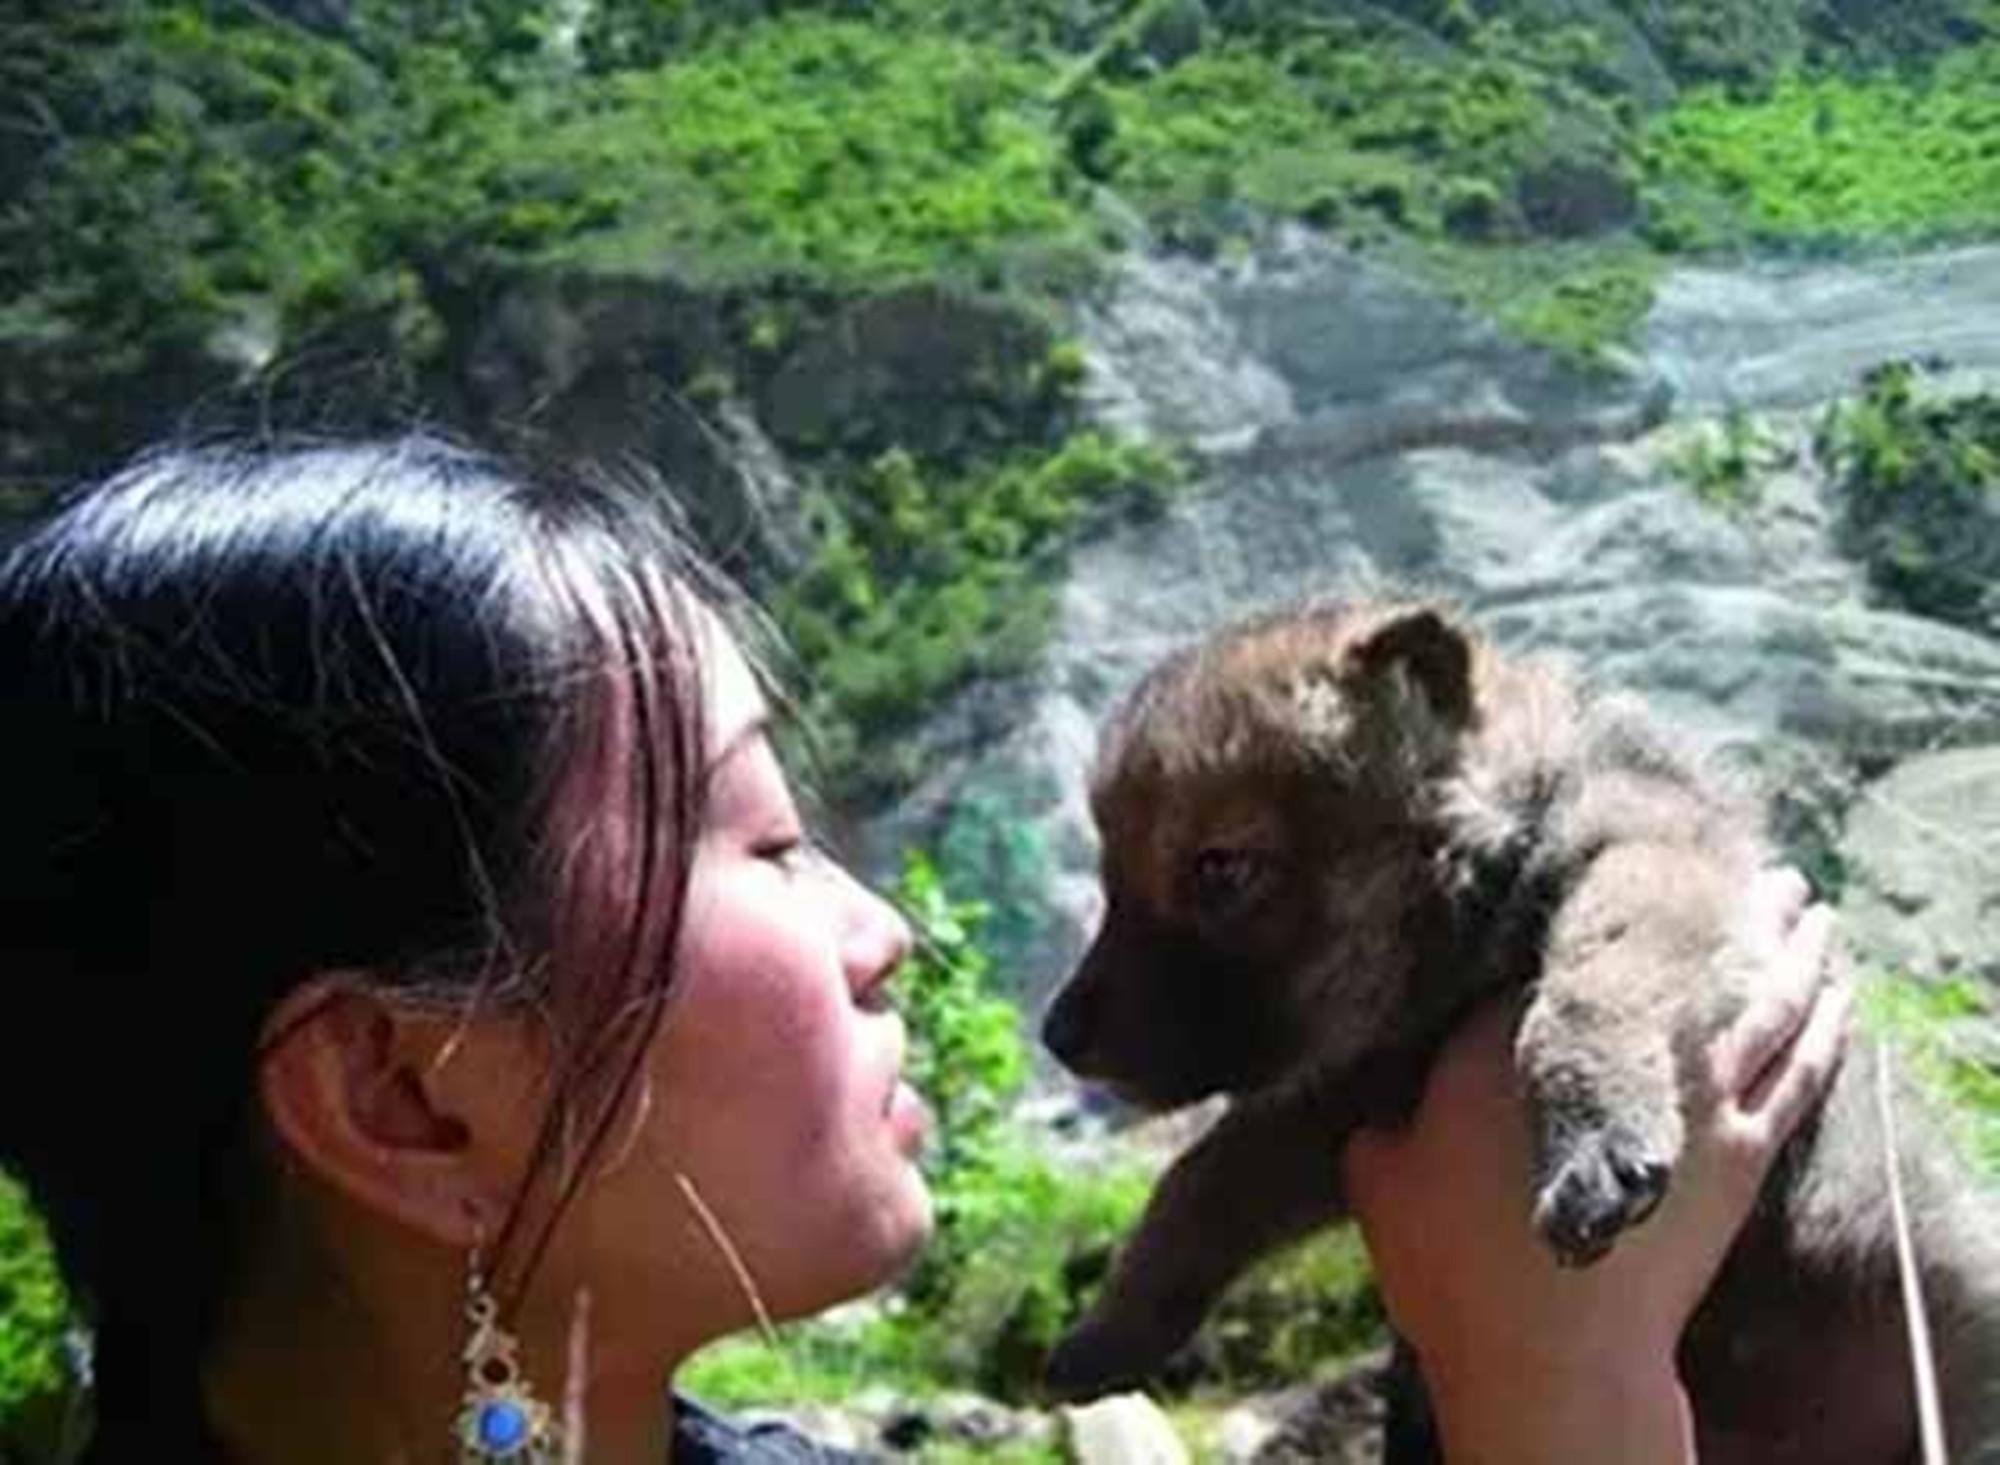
x: 500, y: 1421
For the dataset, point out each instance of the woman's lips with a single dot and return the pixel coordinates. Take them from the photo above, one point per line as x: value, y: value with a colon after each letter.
x: 903, y: 1108
x: 907, y: 1116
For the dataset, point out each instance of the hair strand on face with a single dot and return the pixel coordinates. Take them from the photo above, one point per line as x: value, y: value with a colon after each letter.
x: 712, y: 1228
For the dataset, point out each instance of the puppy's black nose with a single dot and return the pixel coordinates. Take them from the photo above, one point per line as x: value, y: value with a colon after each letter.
x: 1066, y: 1029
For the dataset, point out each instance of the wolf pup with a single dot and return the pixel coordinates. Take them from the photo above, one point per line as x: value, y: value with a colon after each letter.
x: 1329, y: 833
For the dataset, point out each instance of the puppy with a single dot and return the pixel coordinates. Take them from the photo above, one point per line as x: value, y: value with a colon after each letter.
x: 1326, y: 835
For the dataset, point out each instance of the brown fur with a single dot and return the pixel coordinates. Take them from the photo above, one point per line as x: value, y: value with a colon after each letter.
x: 1326, y: 834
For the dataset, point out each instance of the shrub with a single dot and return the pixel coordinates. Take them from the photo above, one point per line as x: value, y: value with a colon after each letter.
x: 993, y: 1289
x: 966, y: 1053
x: 1578, y: 301
x: 1896, y: 156
x: 1721, y: 464
x: 1936, y: 1024
x: 830, y: 148
x: 1919, y: 485
x: 1299, y: 1313
x: 35, y: 1381
x: 923, y: 578
x: 1474, y: 209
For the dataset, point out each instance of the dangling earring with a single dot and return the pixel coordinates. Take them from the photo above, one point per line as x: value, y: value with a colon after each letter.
x: 501, y: 1420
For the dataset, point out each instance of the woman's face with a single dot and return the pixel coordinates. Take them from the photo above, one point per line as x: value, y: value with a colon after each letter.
x: 773, y: 1087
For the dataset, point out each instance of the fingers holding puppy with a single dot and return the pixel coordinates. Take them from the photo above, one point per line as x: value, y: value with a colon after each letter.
x: 1776, y: 1059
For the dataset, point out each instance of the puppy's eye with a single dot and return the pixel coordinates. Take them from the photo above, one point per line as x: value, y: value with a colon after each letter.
x: 1225, y: 877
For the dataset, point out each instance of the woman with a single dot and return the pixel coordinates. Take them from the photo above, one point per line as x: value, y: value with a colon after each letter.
x: 398, y: 841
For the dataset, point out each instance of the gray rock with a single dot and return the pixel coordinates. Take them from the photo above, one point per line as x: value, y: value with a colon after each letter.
x: 975, y: 1420
x: 1244, y: 1430
x: 825, y: 1424
x: 1922, y: 849
x: 1338, y: 1422
x: 1796, y: 334
x: 1123, y: 1429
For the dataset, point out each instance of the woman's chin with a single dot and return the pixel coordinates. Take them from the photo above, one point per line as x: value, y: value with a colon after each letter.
x: 878, y: 1251
x: 886, y: 1241
x: 907, y: 1229
x: 903, y: 1227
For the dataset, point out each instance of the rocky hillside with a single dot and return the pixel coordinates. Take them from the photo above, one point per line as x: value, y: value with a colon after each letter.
x: 823, y: 265
x: 1684, y: 531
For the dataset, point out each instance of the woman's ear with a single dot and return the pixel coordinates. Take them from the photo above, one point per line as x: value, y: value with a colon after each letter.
x: 385, y: 1101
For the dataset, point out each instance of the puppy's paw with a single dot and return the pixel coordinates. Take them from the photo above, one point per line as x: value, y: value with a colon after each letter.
x: 1099, y: 1357
x: 1598, y: 1183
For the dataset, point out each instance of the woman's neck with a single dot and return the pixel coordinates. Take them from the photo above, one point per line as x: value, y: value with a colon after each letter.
x: 354, y: 1352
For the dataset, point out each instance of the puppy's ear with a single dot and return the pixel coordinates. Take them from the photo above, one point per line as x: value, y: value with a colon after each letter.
x: 1418, y: 666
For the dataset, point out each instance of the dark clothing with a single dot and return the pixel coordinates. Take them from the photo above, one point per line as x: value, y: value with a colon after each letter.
x: 702, y: 1437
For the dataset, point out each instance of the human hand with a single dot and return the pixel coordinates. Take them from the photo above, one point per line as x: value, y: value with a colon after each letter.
x: 1505, y: 1334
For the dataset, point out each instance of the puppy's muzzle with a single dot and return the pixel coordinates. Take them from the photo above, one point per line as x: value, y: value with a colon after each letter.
x: 1069, y: 1028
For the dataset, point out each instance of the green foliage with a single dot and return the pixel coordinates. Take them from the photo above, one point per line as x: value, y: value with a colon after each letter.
x: 1822, y: 158
x: 196, y: 190
x: 1919, y: 484
x: 499, y: 35
x: 823, y: 147
x: 1013, y: 1452
x: 1934, y: 1025
x: 1475, y: 209
x: 1721, y: 463
x: 1299, y: 1313
x: 231, y: 132
x: 1065, y: 368
x: 1579, y: 298
x: 966, y: 1054
x: 1579, y: 314
x: 1745, y: 44
x: 34, y: 1315
x: 1732, y: 42
x: 1030, y: 1237
x: 992, y: 1289
x: 642, y: 35
x: 924, y: 578
x: 209, y: 191
x: 235, y: 181
x: 1322, y: 117
x: 819, y: 1362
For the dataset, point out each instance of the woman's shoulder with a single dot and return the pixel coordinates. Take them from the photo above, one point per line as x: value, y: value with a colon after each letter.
x: 703, y: 1437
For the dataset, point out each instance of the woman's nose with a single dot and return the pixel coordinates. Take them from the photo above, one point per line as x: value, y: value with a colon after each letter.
x: 876, y: 939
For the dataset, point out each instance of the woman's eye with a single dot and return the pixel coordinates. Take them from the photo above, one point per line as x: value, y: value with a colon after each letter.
x: 789, y: 852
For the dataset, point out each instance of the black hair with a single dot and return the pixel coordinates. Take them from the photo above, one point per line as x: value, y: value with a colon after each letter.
x: 271, y: 712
